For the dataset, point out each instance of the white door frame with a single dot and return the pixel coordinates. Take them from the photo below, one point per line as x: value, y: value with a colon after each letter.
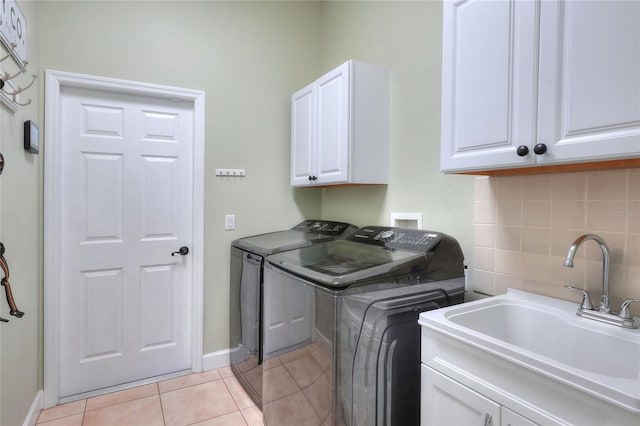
x: 55, y: 82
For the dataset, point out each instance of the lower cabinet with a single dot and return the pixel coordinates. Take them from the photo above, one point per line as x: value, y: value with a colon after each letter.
x: 465, y: 384
x: 509, y: 418
x: 446, y: 402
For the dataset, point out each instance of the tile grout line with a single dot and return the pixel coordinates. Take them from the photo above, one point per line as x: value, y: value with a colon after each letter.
x: 158, y: 393
x: 164, y: 420
x: 234, y: 402
x: 302, y: 389
x: 84, y: 411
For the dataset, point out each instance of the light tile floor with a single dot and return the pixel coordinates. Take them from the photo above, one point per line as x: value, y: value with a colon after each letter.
x: 296, y: 386
x: 213, y: 398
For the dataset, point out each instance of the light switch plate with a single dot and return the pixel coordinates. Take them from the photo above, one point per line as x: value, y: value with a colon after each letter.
x: 230, y: 222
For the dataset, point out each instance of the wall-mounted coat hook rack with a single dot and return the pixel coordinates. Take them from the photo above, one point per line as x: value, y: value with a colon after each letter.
x: 13, y: 39
x: 7, y: 88
x: 13, y: 46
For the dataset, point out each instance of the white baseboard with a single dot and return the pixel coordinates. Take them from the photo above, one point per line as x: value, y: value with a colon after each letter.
x: 218, y: 359
x: 34, y: 411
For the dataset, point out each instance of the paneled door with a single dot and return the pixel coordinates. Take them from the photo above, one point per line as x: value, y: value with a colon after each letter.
x: 332, y: 149
x: 589, y: 96
x: 126, y: 227
x: 303, y: 136
x: 488, y: 83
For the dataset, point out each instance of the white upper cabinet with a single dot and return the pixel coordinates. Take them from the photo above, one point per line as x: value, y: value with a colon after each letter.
x: 488, y: 83
x: 302, y: 135
x: 537, y: 83
x: 340, y: 128
x: 589, y: 90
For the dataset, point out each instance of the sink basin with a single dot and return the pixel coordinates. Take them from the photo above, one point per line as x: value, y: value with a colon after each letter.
x: 545, y: 334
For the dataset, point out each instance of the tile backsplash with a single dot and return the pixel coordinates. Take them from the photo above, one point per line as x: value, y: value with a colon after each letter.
x: 524, y: 225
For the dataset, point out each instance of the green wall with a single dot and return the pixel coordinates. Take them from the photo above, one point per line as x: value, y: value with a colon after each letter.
x: 20, y: 231
x: 406, y: 38
x: 248, y: 57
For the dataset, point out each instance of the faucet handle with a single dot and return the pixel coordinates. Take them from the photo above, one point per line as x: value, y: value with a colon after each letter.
x: 586, y: 299
x: 624, y: 309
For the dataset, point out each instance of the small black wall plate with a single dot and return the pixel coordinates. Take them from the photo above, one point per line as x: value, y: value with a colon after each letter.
x: 31, y: 136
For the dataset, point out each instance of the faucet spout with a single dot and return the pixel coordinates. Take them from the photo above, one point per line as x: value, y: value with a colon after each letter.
x: 604, y: 301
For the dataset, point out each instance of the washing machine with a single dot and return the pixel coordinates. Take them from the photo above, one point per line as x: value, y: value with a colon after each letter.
x: 247, y: 261
x: 341, y: 342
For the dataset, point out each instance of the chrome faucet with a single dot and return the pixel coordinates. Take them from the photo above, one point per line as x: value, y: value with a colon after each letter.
x: 604, y: 301
x: 603, y: 314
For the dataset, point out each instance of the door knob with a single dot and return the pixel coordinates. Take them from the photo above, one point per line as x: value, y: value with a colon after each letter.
x: 184, y: 250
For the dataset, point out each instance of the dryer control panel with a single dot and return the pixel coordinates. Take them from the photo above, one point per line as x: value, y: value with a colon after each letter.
x: 323, y: 227
x: 398, y: 238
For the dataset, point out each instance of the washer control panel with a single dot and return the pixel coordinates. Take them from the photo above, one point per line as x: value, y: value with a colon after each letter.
x: 323, y: 227
x: 398, y: 238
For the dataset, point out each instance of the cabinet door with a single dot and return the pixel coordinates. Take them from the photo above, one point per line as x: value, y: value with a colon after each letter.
x: 302, y: 136
x: 589, y: 105
x: 488, y: 83
x: 510, y: 418
x: 447, y: 402
x: 332, y: 149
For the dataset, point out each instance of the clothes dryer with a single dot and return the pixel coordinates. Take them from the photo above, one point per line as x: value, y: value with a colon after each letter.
x: 245, y: 310
x: 341, y: 341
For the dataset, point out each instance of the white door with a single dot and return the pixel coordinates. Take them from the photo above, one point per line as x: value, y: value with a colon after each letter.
x: 447, y: 402
x: 125, y: 201
x: 589, y: 106
x: 488, y: 84
x: 511, y: 418
x: 332, y: 149
x: 302, y: 136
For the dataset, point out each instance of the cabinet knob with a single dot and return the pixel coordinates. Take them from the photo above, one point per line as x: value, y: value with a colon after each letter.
x: 540, y: 148
x: 522, y: 150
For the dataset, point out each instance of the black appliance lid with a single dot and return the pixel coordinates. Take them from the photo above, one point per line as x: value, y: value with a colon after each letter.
x: 337, y: 258
x: 303, y: 234
x: 370, y: 253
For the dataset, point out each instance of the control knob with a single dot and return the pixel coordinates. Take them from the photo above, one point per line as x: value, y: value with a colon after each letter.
x: 387, y: 235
